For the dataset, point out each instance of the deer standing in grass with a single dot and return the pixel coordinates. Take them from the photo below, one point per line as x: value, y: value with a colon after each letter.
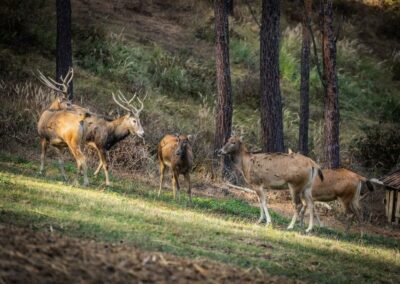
x: 175, y: 152
x: 102, y: 134
x: 262, y: 171
x: 342, y: 185
x: 62, y: 128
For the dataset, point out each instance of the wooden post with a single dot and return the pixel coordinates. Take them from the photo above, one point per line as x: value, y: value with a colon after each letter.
x: 389, y: 205
x: 397, y: 213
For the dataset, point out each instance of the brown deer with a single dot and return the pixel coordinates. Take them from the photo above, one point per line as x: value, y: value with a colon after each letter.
x: 102, y: 133
x: 63, y: 128
x: 342, y: 185
x: 175, y: 152
x: 262, y: 171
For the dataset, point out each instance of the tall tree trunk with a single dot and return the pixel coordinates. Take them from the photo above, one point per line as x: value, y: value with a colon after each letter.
x: 230, y: 7
x: 305, y: 79
x: 331, y: 96
x: 271, y: 101
x: 223, y: 114
x: 64, y: 50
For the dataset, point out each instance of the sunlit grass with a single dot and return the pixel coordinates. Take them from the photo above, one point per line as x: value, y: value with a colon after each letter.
x: 221, y: 230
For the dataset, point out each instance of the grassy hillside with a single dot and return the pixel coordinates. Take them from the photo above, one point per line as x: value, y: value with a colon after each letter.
x: 165, y: 49
x: 218, y: 230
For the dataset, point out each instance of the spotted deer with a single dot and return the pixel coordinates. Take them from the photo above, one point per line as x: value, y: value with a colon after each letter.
x: 262, y: 171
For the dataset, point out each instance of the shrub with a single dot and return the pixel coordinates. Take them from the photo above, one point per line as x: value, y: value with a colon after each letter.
x: 379, y: 148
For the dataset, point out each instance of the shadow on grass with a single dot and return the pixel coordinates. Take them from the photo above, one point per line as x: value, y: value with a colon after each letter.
x: 228, y: 209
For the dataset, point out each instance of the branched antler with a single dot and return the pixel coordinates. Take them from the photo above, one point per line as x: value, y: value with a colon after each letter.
x: 128, y: 104
x: 55, y: 86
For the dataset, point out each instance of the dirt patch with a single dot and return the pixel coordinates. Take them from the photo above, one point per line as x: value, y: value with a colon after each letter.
x: 43, y: 257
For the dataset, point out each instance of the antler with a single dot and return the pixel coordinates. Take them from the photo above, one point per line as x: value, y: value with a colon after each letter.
x: 52, y: 84
x: 128, y: 104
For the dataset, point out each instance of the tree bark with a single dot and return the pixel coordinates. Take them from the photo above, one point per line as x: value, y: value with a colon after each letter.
x: 305, y: 79
x: 223, y: 112
x: 271, y: 101
x: 64, y: 49
x: 230, y: 7
x: 331, y: 98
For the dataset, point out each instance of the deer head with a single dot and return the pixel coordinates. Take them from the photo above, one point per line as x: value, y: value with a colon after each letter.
x: 183, y: 143
x: 132, y: 120
x: 231, y: 146
x: 61, y: 89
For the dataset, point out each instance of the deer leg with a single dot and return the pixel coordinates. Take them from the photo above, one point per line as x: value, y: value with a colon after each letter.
x: 302, y: 213
x: 177, y: 186
x: 264, y: 206
x: 310, y: 205
x: 61, y: 164
x: 103, y: 162
x: 43, y: 144
x: 174, y: 183
x: 162, y: 172
x: 187, y: 178
x: 297, y: 204
x: 262, y: 214
x: 96, y: 172
x: 80, y: 161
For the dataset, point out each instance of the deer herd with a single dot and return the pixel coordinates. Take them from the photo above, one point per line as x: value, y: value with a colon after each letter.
x: 66, y: 125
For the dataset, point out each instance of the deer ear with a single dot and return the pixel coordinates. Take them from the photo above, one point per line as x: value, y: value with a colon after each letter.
x: 241, y: 138
x: 290, y: 151
x: 190, y: 138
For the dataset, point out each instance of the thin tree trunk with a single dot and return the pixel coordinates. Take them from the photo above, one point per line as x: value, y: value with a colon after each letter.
x: 223, y: 112
x: 271, y: 101
x: 331, y: 111
x: 305, y: 79
x: 64, y: 50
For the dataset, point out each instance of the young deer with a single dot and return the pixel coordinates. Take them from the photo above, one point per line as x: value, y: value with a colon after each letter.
x: 175, y: 152
x: 342, y: 185
x: 102, y: 134
x: 262, y: 171
x: 62, y: 128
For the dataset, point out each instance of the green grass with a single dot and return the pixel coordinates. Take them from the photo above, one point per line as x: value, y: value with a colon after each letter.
x: 217, y: 229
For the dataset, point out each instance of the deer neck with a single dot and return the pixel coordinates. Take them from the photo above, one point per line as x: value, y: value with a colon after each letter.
x: 241, y: 160
x: 117, y: 131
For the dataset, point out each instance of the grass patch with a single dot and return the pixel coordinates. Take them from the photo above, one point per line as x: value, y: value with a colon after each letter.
x: 220, y: 230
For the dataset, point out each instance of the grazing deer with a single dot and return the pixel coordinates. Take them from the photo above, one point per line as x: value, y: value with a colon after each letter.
x: 262, y: 171
x: 342, y: 185
x: 102, y: 134
x: 175, y: 152
x: 62, y: 128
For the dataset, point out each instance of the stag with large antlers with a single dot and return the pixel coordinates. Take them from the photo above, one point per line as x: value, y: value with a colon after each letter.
x: 262, y: 171
x: 62, y: 128
x: 102, y: 134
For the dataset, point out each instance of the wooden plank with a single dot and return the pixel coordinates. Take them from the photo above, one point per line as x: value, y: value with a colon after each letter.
x: 397, y: 213
x: 387, y: 205
x: 391, y: 206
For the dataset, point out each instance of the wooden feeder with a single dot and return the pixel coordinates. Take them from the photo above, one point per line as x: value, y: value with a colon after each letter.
x: 391, y: 182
